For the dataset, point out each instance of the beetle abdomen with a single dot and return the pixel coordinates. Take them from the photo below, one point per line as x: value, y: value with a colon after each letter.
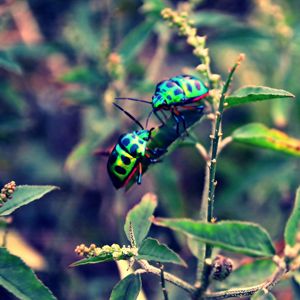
x: 120, y: 165
x: 193, y: 88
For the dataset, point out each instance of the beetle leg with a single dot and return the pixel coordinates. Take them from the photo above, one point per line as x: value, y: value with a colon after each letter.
x: 140, y: 172
x: 156, y: 152
x: 179, y: 118
x: 165, y: 116
x: 158, y: 117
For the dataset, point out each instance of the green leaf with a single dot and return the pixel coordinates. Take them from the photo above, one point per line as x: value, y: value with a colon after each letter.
x: 248, y: 275
x: 93, y: 260
x: 261, y: 295
x: 104, y: 257
x: 255, y: 93
x: 135, y: 40
x: 151, y: 249
x: 139, y: 216
x: 258, y: 135
x: 168, y: 190
x: 208, y: 18
x: 127, y: 289
x: 23, y: 195
x: 7, y: 63
x: 293, y: 224
x: 81, y: 74
x: 240, y: 237
x: 20, y: 280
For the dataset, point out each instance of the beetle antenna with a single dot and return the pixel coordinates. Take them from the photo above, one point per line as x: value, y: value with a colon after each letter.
x: 133, y: 99
x: 128, y: 114
x: 149, y: 115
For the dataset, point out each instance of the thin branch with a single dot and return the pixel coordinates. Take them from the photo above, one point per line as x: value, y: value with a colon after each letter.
x: 163, y: 282
x: 225, y: 142
x: 202, y: 151
x: 167, y: 276
x: 244, y: 292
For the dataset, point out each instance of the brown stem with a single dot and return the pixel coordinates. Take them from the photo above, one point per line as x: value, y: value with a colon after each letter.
x: 168, y: 277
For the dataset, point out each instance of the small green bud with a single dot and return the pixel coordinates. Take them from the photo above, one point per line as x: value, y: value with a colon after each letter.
x: 107, y: 248
x: 115, y: 247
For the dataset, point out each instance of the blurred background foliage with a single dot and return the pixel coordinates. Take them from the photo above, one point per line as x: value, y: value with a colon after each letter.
x: 62, y: 63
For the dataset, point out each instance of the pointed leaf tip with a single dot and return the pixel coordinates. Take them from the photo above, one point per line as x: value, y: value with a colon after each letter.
x: 138, y: 218
x: 25, y: 194
x: 152, y: 249
x: 249, y: 94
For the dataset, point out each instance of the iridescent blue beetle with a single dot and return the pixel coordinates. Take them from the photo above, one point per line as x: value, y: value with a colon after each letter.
x: 178, y: 91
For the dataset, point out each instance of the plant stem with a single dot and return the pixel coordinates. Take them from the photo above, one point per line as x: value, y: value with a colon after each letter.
x: 207, y: 207
x: 168, y: 277
x: 163, y: 282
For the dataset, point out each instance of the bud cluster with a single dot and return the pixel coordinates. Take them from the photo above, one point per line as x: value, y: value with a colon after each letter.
x: 115, y: 66
x: 114, y: 251
x: 186, y: 28
x: 273, y: 15
x: 7, y: 192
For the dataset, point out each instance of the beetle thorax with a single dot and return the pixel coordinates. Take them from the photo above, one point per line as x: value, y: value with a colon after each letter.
x: 135, y: 143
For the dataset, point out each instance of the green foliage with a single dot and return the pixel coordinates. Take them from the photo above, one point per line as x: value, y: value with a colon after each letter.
x: 293, y: 225
x: 7, y: 63
x: 259, y: 135
x: 138, y: 218
x: 78, y: 54
x: 261, y: 295
x: 20, y: 280
x: 128, y: 288
x: 248, y: 275
x: 135, y: 40
x: 255, y: 93
x: 241, y: 237
x: 23, y: 195
x: 151, y: 249
x: 93, y: 260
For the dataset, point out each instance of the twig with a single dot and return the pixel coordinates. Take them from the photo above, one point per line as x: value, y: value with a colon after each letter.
x: 202, y: 151
x: 224, y: 143
x: 163, y: 282
x: 168, y: 277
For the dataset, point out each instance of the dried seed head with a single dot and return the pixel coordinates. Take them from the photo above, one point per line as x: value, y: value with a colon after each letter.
x: 221, y: 267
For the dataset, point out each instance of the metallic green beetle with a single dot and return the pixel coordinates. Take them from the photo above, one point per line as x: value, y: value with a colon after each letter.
x: 178, y: 91
x: 129, y: 154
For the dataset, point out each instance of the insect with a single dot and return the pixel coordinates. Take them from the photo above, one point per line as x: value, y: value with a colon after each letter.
x: 128, y: 155
x: 178, y: 91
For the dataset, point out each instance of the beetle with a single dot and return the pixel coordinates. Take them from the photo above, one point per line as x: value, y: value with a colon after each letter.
x: 178, y: 91
x: 129, y: 154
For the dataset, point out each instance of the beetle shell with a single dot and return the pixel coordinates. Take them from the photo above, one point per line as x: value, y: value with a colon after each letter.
x: 123, y: 160
x: 178, y: 90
